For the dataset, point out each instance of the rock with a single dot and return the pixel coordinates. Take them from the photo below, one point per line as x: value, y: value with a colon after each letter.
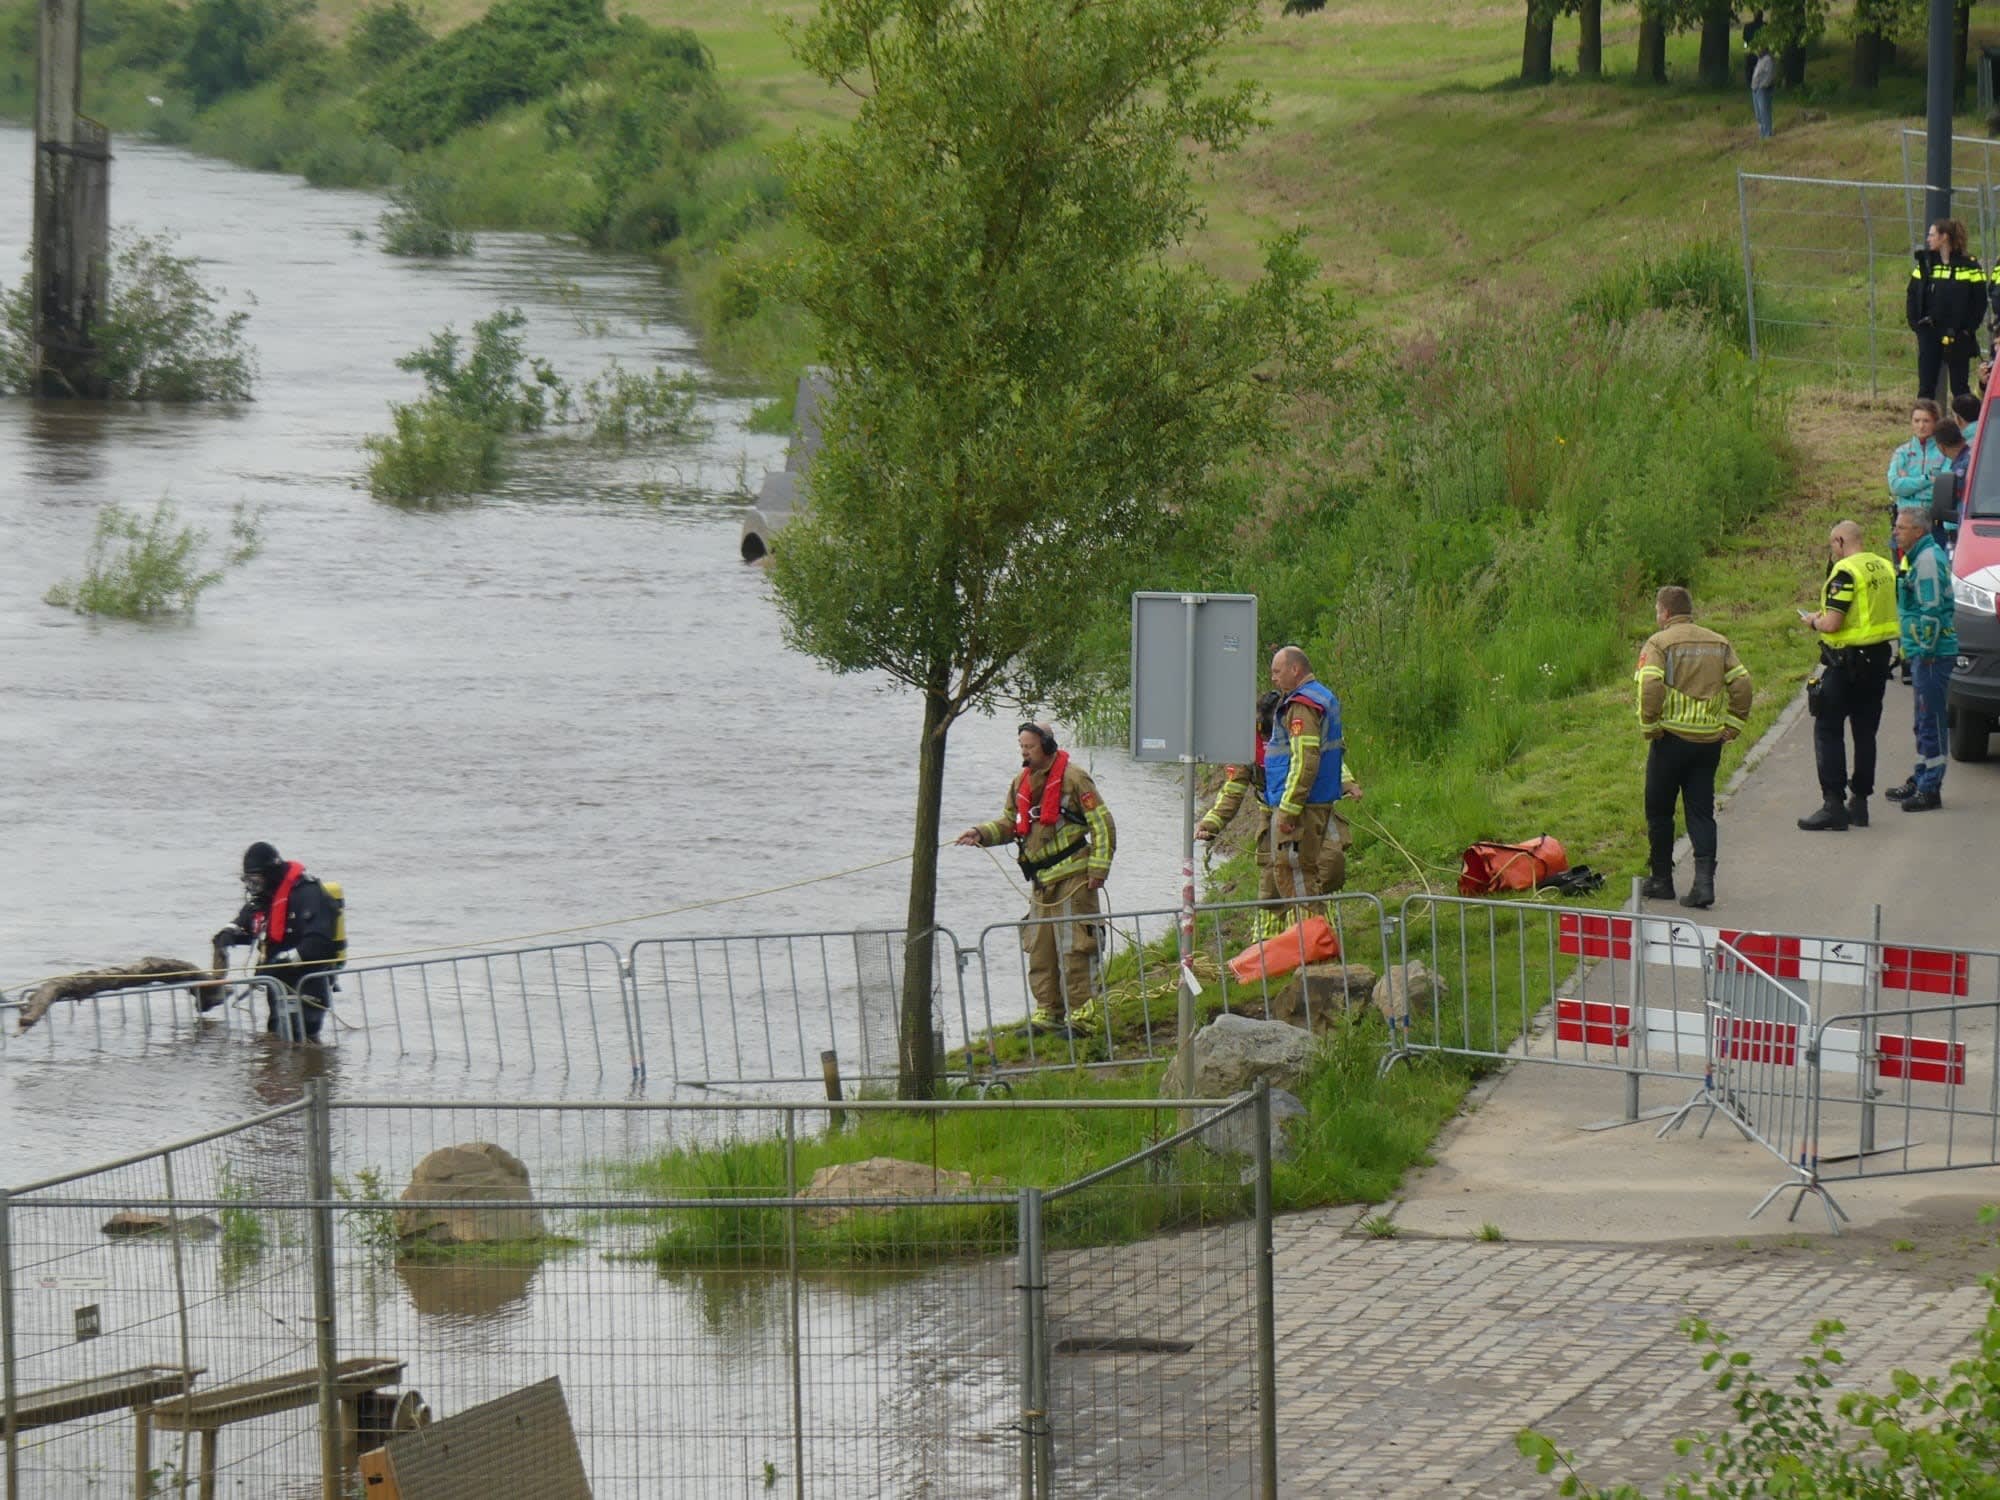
x: 1407, y: 990
x: 130, y: 1224
x: 1231, y: 1053
x: 882, y: 1177
x: 1237, y: 1135
x: 1326, y: 990
x: 479, y: 1171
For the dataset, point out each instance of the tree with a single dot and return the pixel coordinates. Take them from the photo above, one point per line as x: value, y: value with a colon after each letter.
x: 1538, y: 38
x: 1658, y: 20
x: 1712, y: 65
x: 1027, y: 397
x: 1791, y: 29
x: 1875, y: 25
x: 1590, y: 38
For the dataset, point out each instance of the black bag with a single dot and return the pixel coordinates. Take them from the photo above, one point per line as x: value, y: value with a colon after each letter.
x: 1813, y: 689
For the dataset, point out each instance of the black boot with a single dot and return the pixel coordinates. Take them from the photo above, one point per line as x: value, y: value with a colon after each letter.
x: 1658, y: 887
x: 1857, y: 811
x: 1922, y: 802
x: 1904, y: 792
x: 1830, y: 816
x: 1702, y: 892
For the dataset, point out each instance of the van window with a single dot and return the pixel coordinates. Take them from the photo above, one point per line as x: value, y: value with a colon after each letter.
x: 1984, y: 500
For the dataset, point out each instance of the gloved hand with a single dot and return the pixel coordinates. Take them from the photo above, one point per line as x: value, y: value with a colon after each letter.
x: 231, y: 937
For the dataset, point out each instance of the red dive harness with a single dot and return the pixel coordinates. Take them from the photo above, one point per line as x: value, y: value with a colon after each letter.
x: 274, y: 914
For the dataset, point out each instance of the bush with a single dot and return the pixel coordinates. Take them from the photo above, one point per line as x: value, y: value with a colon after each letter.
x: 447, y: 442
x: 518, y: 51
x: 624, y: 407
x: 221, y: 51
x: 387, y: 36
x: 161, y: 336
x: 419, y: 221
x: 141, y: 566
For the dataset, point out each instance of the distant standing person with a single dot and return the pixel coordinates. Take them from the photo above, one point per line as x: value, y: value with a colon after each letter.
x: 1944, y: 306
x: 1693, y: 698
x: 1763, y: 80
x: 1926, y: 611
x: 1917, y: 462
x: 1855, y: 623
x: 1066, y: 840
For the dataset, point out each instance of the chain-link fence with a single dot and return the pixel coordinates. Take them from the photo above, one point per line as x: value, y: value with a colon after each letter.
x: 714, y: 1300
x: 1826, y: 266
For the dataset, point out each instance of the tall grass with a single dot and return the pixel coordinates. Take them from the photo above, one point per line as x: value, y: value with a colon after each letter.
x: 145, y: 565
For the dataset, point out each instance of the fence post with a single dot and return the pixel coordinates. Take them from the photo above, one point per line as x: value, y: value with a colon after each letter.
x: 1874, y: 361
x: 319, y: 1190
x: 1871, y: 1002
x: 7, y: 1342
x: 792, y: 1280
x: 1635, y: 995
x: 1036, y: 1457
x: 1749, y: 279
x: 1267, y: 1331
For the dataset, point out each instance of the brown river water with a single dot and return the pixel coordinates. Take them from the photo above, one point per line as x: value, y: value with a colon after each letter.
x: 566, y: 703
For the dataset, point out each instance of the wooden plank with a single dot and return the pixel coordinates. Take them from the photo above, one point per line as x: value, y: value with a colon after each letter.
x: 94, y: 1397
x: 521, y: 1446
x: 275, y: 1393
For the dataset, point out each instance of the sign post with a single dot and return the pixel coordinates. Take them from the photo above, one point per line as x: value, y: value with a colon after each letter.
x: 1194, y: 700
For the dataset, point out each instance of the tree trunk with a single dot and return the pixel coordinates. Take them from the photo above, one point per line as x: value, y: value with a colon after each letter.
x: 1868, y: 49
x: 1792, y: 65
x: 1652, y: 65
x: 1538, y: 41
x: 1716, y: 28
x: 916, y: 1063
x: 1590, y: 39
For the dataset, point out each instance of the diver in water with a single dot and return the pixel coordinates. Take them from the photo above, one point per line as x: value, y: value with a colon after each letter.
x: 299, y: 926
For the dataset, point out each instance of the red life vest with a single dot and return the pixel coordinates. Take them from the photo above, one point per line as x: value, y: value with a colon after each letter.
x: 1051, y: 810
x: 274, y: 914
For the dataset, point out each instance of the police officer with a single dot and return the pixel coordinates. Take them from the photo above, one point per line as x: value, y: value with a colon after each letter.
x: 1693, y: 698
x: 294, y: 922
x: 1945, y: 303
x: 1856, y: 625
x: 1066, y: 841
x: 1330, y: 868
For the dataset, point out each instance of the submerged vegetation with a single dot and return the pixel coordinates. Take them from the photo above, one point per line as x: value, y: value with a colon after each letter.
x: 143, y: 565
x: 449, y: 443
x: 162, y: 336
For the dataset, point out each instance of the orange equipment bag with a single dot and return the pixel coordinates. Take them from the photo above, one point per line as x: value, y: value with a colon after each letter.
x: 1309, y: 942
x: 1510, y: 867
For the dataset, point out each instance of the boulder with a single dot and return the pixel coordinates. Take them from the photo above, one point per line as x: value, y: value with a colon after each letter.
x: 1327, y: 991
x: 1408, y: 990
x: 478, y: 1172
x: 1237, y: 1134
x: 1231, y: 1053
x: 882, y: 1177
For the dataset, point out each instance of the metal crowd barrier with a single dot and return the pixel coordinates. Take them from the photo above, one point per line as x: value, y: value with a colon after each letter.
x: 1761, y: 1073
x: 1130, y: 1012
x: 561, y: 1005
x: 765, y: 1008
x: 137, y: 1014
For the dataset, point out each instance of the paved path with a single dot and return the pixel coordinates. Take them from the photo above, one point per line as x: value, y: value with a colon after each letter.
x: 1405, y: 1368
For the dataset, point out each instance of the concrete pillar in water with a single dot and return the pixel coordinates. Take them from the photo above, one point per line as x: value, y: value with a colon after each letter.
x: 72, y: 211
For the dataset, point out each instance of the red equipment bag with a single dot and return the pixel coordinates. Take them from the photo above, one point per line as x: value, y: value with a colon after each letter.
x: 1309, y: 942
x: 1489, y: 868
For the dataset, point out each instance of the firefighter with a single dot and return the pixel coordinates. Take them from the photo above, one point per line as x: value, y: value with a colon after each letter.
x: 1693, y: 698
x: 1066, y: 841
x: 297, y: 924
x: 1302, y: 782
x: 1330, y: 869
x: 1856, y: 626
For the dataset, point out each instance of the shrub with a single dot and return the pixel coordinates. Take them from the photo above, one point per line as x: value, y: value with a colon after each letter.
x: 448, y: 441
x: 220, y: 53
x: 387, y: 36
x: 161, y: 336
x: 140, y: 566
x: 518, y: 51
x: 419, y: 220
x: 623, y: 406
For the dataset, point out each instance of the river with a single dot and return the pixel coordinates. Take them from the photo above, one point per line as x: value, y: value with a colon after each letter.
x: 566, y: 703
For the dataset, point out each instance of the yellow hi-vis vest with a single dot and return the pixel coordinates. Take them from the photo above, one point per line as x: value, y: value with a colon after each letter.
x: 1873, y: 616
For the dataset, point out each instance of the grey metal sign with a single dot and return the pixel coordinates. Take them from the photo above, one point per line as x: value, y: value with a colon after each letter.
x: 1202, y: 646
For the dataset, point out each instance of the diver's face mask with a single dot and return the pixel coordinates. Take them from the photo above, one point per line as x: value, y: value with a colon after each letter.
x: 257, y: 884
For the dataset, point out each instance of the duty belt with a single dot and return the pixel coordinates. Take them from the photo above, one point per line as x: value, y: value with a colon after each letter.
x: 1032, y: 868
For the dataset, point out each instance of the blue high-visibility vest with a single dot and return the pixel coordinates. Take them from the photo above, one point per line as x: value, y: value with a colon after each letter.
x: 1278, y: 749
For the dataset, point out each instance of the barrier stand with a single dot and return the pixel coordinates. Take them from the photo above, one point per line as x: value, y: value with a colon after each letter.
x: 1763, y: 1074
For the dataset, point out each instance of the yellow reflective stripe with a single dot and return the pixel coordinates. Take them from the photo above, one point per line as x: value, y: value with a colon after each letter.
x: 1739, y: 725
x: 1682, y: 712
x: 1289, y: 799
x: 1739, y: 670
x: 1649, y: 671
x: 1100, y: 837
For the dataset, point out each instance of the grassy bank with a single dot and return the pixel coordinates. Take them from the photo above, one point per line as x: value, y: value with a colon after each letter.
x: 1363, y: 1132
